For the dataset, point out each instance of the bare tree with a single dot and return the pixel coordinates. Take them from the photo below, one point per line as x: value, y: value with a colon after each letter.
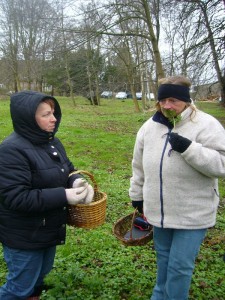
x: 65, y: 52
x: 126, y: 32
x: 37, y: 37
x: 208, y: 9
x: 10, y: 40
x: 26, y: 33
x: 90, y: 26
x: 205, y: 45
x: 180, y: 53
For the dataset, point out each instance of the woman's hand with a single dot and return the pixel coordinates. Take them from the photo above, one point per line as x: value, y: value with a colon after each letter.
x: 138, y: 205
x: 76, y: 195
x: 80, y: 182
x: 178, y: 142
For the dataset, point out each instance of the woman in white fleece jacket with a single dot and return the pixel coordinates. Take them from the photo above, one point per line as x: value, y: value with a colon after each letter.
x: 178, y: 155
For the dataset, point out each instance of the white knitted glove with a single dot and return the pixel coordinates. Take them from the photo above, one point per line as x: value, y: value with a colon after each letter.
x: 76, y: 195
x: 79, y: 182
x: 90, y: 195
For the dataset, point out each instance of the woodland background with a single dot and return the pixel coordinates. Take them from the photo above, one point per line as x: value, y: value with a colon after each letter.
x: 72, y: 48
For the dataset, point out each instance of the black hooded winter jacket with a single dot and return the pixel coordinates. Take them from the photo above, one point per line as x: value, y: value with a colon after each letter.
x: 34, y: 171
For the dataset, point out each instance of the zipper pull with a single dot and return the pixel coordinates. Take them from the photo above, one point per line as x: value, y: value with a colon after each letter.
x: 43, y: 222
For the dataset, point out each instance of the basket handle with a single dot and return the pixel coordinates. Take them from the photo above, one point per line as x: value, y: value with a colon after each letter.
x: 132, y: 222
x: 90, y: 176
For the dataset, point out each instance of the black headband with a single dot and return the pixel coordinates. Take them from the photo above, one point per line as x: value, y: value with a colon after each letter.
x: 179, y: 92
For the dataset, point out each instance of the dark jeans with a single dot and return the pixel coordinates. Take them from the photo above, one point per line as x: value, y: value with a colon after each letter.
x: 26, y: 271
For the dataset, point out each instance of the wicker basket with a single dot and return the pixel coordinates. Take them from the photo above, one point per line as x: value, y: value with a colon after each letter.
x: 88, y: 215
x: 125, y: 225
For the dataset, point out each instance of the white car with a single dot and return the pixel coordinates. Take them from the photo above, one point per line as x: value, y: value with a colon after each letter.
x: 139, y: 95
x: 150, y: 96
x: 121, y: 95
x: 106, y: 94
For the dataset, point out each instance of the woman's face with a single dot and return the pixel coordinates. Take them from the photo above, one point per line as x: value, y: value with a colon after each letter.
x: 172, y: 104
x: 45, y: 117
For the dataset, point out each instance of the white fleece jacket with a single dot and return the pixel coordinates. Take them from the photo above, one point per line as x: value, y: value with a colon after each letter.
x: 180, y: 190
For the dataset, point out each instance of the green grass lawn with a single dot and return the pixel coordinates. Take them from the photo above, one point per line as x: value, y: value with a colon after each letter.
x: 94, y: 264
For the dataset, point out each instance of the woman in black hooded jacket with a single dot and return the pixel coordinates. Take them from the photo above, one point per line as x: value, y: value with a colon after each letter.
x: 35, y: 189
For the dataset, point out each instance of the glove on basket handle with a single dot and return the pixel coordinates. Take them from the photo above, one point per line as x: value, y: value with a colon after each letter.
x: 88, y: 215
x: 91, y: 176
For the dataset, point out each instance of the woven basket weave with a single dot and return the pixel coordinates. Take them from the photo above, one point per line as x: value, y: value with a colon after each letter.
x: 88, y: 215
x: 124, y: 225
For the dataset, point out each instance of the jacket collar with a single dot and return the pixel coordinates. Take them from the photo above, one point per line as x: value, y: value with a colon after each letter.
x: 160, y: 118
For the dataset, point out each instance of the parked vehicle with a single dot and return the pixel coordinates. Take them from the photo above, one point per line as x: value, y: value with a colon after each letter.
x: 129, y: 95
x: 106, y: 94
x: 139, y: 95
x: 149, y: 96
x: 121, y: 95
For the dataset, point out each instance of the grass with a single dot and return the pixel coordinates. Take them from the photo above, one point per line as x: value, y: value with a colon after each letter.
x: 93, y: 264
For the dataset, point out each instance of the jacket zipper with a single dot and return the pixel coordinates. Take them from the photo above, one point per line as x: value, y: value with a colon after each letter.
x: 161, y: 180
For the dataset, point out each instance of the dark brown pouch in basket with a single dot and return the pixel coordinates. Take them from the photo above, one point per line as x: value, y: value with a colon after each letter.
x: 125, y: 231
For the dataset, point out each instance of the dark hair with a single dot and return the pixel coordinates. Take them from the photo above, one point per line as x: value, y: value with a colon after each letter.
x: 50, y: 102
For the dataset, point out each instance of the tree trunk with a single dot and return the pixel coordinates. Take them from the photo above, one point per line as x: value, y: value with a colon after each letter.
x: 154, y: 42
